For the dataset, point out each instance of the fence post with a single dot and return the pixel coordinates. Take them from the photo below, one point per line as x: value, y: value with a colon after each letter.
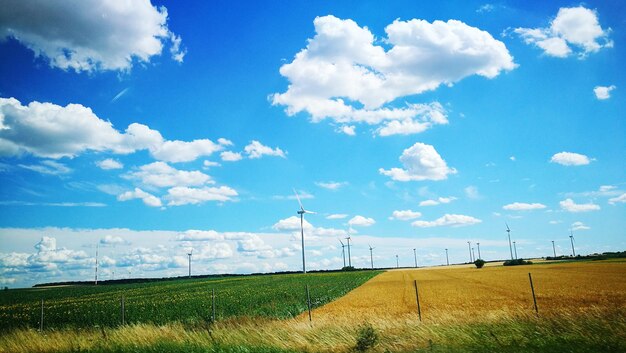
x: 532, y: 288
x: 41, y: 320
x: 308, y: 301
x: 122, y: 310
x: 213, y: 305
x: 417, y: 297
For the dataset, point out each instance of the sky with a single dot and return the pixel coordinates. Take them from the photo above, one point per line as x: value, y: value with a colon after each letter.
x: 147, y: 130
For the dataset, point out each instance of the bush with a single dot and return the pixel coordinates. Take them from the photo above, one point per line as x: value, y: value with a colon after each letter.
x: 479, y: 263
x: 366, y: 338
x: 517, y: 262
x: 348, y: 268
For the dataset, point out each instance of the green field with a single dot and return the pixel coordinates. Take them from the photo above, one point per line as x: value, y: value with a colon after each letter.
x: 180, y: 300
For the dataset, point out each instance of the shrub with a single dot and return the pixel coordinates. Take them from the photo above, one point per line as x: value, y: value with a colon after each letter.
x: 366, y: 338
x: 479, y: 263
x: 348, y: 268
x: 517, y: 262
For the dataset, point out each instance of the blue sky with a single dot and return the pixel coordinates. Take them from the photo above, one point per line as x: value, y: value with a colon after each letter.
x: 154, y: 128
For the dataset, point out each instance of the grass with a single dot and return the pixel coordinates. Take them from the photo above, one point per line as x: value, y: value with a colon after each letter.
x: 187, y: 301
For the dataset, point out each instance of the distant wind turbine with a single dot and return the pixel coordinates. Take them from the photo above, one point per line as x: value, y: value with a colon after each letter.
x: 553, y: 248
x: 343, y: 252
x: 469, y: 247
x: 349, y: 255
x: 371, y: 255
x: 473, y: 255
x: 397, y: 262
x: 571, y: 238
x: 96, y: 282
x: 478, y: 245
x: 189, y: 254
x: 301, y: 212
x: 508, y: 231
x: 515, y: 249
x: 415, y: 256
x: 447, y: 259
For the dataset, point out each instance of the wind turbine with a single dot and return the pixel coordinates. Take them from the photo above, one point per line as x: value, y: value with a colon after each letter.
x: 96, y: 282
x: 189, y: 256
x: 571, y: 238
x: 515, y: 248
x: 508, y: 231
x: 478, y: 244
x: 553, y: 248
x: 415, y: 256
x: 349, y: 256
x: 447, y: 259
x: 469, y: 247
x: 301, y: 212
x: 397, y: 263
x: 343, y: 252
x: 371, y: 255
x: 473, y: 254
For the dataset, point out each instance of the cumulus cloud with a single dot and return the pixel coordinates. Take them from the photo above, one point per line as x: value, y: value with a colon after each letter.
x: 147, y: 198
x: 199, y: 235
x: 575, y: 29
x: 472, y: 192
x: 521, y: 206
x: 405, y: 215
x: 579, y: 226
x: 291, y: 223
x: 570, y: 159
x: 182, y: 195
x: 90, y: 35
x: 570, y: 206
x: 344, y: 76
x: 453, y: 220
x: 603, y: 92
x: 229, y: 156
x: 337, y: 216
x: 618, y: 199
x: 420, y: 162
x: 361, y: 221
x: 51, y: 131
x: 111, y: 240
x: 255, y: 149
x: 331, y: 185
x: 109, y: 163
x: 161, y: 174
x: 440, y: 200
x: 349, y: 130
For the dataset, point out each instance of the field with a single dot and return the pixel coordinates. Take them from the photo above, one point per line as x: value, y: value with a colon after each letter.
x: 582, y: 308
x: 184, y: 300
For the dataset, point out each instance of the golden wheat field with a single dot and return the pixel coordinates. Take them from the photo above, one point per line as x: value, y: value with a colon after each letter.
x: 467, y: 293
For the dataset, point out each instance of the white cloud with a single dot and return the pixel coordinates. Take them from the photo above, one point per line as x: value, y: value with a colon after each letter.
x: 579, y: 226
x: 441, y: 200
x: 570, y: 159
x: 182, y: 195
x: 361, y: 221
x: 229, y: 156
x: 337, y: 216
x: 257, y: 150
x: 472, y: 192
x: 618, y: 199
x: 48, y: 167
x: 344, y: 76
x: 86, y: 35
x: 347, y: 129
x: 209, y: 164
x: 161, y: 174
x: 291, y: 223
x: 420, y: 162
x: 51, y: 131
x: 603, y: 92
x: 570, y: 206
x: 147, y: 198
x: 331, y: 185
x: 405, y: 215
x: 520, y: 206
x: 199, y: 235
x: 109, y: 163
x: 113, y: 240
x: 573, y: 28
x: 454, y: 220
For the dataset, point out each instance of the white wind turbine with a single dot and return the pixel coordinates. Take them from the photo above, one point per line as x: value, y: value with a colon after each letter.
x: 301, y: 212
x: 343, y: 252
x: 371, y: 255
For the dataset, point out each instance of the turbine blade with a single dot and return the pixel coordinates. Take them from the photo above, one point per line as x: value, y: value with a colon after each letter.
x: 507, y: 227
x: 341, y: 242
x: 311, y: 212
x: 298, y: 198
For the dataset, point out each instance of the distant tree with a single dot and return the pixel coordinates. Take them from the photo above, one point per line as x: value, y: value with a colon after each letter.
x: 479, y: 263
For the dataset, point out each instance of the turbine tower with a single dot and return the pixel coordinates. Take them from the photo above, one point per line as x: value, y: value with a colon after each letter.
x: 508, y: 231
x: 96, y: 282
x: 447, y: 259
x: 473, y: 255
x: 397, y: 263
x: 301, y: 212
x: 415, y: 256
x: 515, y: 249
x: 553, y: 249
x: 469, y: 247
x: 189, y: 256
x: 478, y: 245
x: 571, y: 238
x: 343, y: 252
x: 371, y: 255
x: 349, y: 256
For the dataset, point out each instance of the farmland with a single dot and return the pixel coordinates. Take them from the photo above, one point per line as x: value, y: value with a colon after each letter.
x: 582, y: 308
x: 186, y: 301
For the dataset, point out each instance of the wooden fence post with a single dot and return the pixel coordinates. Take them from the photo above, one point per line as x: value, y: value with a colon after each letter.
x: 532, y: 288
x: 308, y: 301
x: 417, y: 297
